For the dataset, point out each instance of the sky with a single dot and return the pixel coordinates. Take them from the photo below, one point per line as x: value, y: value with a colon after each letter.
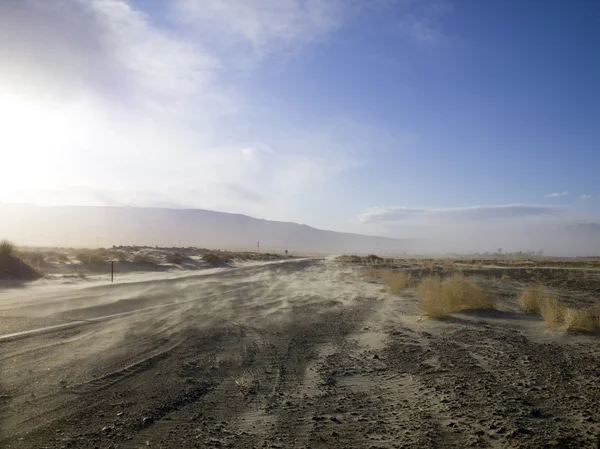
x: 400, y: 118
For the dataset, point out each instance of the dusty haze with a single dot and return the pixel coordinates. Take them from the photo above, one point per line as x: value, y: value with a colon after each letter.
x: 106, y: 226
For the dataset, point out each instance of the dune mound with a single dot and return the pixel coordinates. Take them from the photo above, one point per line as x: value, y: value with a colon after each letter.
x: 14, y: 269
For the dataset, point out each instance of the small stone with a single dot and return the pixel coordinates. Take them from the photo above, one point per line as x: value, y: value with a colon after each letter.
x: 335, y: 434
x: 376, y: 357
x: 107, y: 429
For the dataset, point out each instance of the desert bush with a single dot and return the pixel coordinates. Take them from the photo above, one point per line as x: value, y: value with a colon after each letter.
x: 143, y: 259
x: 83, y: 256
x: 438, y: 298
x: 373, y: 258
x: 215, y: 259
x: 532, y: 296
x: 479, y: 265
x: 551, y: 310
x: 505, y: 277
x: 372, y: 273
x: 581, y: 319
x: 448, y: 266
x: 396, y: 281
x: 97, y: 257
x: 428, y: 264
x: 175, y: 258
x: 248, y: 382
x: 7, y: 247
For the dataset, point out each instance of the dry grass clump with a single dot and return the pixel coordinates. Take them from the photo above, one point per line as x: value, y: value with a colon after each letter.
x: 539, y: 299
x: 442, y: 297
x: 505, y: 277
x: 449, y: 267
x: 174, y: 258
x: 248, y: 382
x: 428, y: 264
x: 583, y: 319
x: 396, y: 281
x: 479, y: 265
x: 143, y: 259
x: 372, y: 273
x: 7, y: 247
x: 552, y: 311
x: 532, y: 296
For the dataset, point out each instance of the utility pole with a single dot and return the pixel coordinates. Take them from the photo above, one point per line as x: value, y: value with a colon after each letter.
x: 258, y: 247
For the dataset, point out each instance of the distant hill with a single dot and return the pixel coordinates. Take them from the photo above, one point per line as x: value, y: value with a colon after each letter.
x: 107, y: 226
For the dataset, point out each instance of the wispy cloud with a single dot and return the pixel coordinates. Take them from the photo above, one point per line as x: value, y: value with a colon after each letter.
x: 556, y: 194
x: 586, y: 197
x: 399, y: 214
x: 259, y: 26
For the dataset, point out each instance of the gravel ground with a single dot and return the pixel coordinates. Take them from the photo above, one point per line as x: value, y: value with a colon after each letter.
x: 308, y: 355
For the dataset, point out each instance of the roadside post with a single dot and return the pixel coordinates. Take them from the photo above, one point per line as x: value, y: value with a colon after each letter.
x: 112, y: 271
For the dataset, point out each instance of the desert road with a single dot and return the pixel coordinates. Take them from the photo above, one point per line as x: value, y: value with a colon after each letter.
x: 302, y: 353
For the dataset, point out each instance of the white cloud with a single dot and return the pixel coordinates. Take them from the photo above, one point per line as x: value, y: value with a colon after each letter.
x: 260, y: 26
x: 102, y: 49
x: 556, y: 194
x: 472, y: 213
x: 127, y: 111
x: 586, y: 197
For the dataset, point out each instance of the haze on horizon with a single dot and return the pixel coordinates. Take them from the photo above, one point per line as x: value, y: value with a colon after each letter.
x: 471, y: 123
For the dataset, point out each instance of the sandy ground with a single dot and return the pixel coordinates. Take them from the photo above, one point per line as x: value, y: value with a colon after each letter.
x: 295, y: 354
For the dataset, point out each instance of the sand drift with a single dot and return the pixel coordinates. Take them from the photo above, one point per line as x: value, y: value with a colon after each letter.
x: 304, y: 353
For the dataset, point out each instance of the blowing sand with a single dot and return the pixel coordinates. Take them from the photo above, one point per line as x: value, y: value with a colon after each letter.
x: 309, y: 354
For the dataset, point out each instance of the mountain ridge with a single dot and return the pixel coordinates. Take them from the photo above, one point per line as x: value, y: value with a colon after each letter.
x: 115, y: 225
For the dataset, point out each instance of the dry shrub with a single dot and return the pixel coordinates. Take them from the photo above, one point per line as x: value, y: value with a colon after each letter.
x: 174, y: 258
x: 532, y: 296
x: 248, y: 382
x: 438, y: 298
x: 143, y: 259
x: 215, y: 259
x: 479, y: 265
x: 583, y: 319
x: 396, y: 281
x: 428, y: 264
x: 552, y: 311
x: 372, y: 273
x: 7, y: 247
x: 449, y: 266
x: 505, y: 277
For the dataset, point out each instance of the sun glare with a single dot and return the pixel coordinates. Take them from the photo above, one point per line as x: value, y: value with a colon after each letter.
x: 34, y: 142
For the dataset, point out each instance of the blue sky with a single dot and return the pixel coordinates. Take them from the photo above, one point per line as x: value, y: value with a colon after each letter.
x: 392, y: 117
